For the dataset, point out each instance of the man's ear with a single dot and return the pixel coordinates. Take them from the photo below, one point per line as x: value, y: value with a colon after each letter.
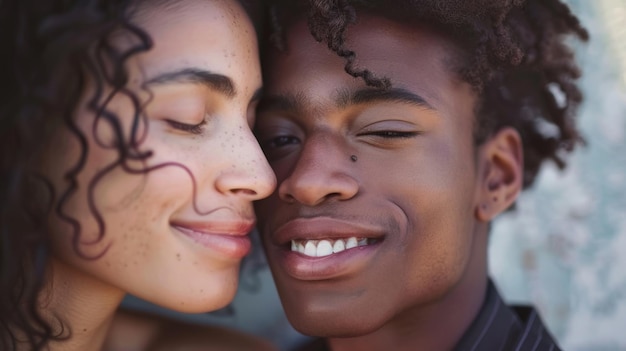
x: 501, y: 171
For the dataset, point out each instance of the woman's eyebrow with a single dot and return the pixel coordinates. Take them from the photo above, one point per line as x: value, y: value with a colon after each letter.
x: 214, y: 81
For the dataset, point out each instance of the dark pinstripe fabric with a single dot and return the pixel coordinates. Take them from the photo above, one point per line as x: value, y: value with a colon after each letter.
x: 497, y: 327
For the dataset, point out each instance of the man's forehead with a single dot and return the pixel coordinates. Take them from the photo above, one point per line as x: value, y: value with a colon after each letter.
x: 310, y: 76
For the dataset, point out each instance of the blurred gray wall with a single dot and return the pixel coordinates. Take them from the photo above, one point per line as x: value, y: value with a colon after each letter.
x: 564, y: 248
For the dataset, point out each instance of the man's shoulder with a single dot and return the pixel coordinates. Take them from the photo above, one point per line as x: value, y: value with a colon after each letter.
x: 535, y: 336
x: 501, y: 327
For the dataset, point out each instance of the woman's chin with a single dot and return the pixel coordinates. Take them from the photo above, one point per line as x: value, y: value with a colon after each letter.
x: 208, y: 298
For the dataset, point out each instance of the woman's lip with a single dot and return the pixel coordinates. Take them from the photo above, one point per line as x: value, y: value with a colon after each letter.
x: 224, y: 239
x: 234, y: 228
x: 318, y: 228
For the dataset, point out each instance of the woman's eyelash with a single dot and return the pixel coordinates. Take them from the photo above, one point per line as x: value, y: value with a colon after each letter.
x: 189, y: 128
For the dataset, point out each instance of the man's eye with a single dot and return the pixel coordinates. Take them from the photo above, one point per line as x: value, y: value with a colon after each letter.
x: 189, y: 128
x: 390, y: 134
x: 282, y: 140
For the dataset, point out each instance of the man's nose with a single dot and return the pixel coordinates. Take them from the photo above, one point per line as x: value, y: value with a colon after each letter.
x: 324, y: 171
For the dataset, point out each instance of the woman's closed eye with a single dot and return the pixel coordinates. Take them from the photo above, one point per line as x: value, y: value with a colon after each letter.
x: 189, y: 128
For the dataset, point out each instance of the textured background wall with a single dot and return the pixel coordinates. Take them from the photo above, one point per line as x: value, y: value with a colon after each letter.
x: 564, y: 249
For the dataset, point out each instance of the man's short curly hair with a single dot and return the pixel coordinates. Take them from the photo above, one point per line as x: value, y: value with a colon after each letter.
x: 516, y: 58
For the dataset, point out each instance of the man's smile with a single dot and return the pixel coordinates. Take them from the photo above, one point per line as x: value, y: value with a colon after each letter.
x: 326, y: 247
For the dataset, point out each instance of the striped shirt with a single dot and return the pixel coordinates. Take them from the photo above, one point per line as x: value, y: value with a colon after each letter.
x: 500, y: 327
x: 497, y: 327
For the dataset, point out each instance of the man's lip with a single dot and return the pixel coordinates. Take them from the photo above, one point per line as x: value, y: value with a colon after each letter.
x: 318, y: 228
x: 344, y: 264
x: 234, y: 227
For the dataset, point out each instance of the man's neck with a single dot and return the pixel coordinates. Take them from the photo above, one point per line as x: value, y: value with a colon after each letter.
x: 437, y: 326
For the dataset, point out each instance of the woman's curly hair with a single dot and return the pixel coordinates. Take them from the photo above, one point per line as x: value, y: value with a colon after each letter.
x: 516, y: 58
x: 52, y: 50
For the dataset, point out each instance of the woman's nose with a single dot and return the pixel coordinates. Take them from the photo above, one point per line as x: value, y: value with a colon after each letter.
x: 246, y: 172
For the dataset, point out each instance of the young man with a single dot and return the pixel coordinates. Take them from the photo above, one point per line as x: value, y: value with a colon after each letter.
x: 394, y: 150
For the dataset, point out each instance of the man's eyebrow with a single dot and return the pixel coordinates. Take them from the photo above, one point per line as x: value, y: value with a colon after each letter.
x: 214, y: 81
x: 345, y: 98
x: 367, y: 95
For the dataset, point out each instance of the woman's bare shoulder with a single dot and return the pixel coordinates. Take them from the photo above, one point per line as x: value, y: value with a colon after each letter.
x: 135, y: 331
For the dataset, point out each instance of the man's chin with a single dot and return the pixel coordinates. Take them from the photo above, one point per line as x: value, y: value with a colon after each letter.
x: 342, y: 326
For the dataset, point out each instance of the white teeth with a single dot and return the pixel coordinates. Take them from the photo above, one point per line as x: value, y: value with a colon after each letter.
x: 310, y: 249
x: 321, y: 248
x: 338, y: 246
x: 351, y: 243
x: 324, y: 248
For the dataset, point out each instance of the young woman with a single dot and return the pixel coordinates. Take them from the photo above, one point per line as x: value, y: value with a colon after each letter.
x: 127, y: 165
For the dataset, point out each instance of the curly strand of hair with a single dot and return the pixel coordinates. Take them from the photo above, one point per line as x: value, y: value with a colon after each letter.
x: 26, y: 285
x: 536, y: 47
x: 194, y: 185
x: 41, y: 254
x: 118, y: 79
x: 45, y: 43
x: 562, y: 73
x: 139, y: 120
x: 328, y: 22
x: 479, y: 68
x: 571, y: 22
x: 124, y: 152
x: 91, y: 203
x: 504, y: 48
x: 37, y: 329
x: 72, y: 174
